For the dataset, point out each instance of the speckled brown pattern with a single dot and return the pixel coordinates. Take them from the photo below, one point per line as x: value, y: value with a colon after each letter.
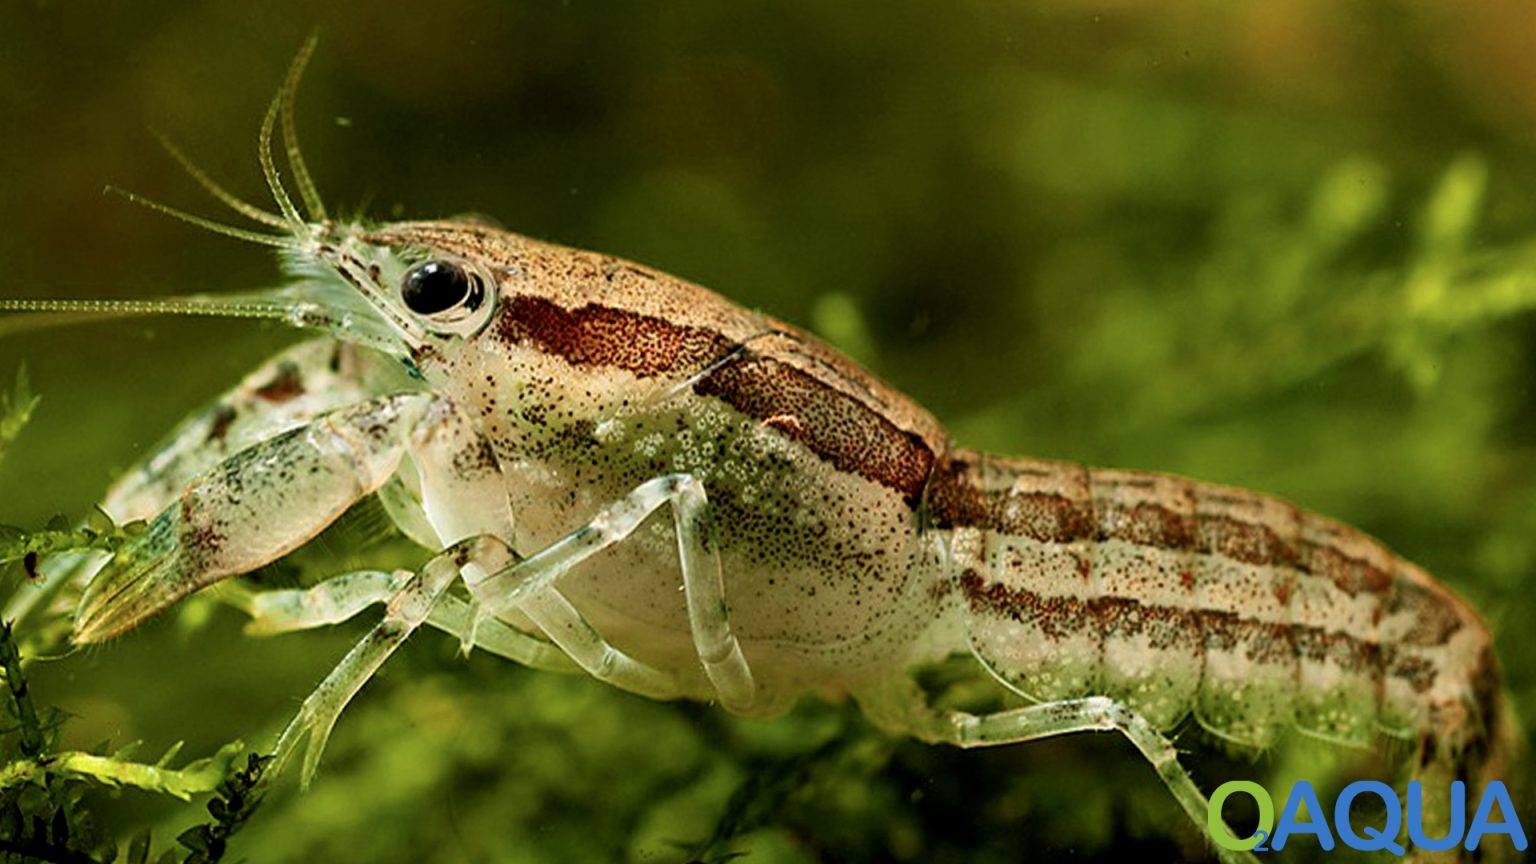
x: 854, y: 540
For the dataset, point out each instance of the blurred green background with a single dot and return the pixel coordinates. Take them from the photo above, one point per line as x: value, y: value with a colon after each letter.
x: 1289, y: 245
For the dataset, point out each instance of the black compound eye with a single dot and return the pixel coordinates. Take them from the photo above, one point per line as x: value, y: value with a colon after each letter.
x: 434, y: 286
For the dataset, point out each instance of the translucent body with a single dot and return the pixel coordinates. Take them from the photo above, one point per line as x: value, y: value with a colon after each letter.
x: 824, y: 534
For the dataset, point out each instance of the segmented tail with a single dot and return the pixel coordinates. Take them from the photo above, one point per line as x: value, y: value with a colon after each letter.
x: 1175, y: 597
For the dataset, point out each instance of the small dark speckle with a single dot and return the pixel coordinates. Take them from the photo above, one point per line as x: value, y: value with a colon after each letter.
x: 223, y: 417
x: 202, y: 541
x: 285, y: 385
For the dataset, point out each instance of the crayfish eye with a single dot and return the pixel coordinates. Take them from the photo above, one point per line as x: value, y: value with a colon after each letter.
x: 449, y: 296
x: 434, y: 286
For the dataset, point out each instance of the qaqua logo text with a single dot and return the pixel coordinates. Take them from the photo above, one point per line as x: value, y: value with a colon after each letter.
x: 1272, y: 835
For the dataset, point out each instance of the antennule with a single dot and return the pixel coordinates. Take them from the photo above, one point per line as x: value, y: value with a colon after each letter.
x: 301, y: 176
x: 229, y: 199
x: 206, y: 224
x: 269, y: 166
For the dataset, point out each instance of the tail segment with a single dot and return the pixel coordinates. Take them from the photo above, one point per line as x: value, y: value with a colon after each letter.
x: 1176, y: 598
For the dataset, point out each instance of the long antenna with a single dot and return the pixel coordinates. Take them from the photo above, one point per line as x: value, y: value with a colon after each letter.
x: 53, y: 312
x: 301, y: 175
x: 194, y: 304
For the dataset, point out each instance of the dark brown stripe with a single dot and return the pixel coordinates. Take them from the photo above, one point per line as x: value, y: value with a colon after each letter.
x: 1317, y: 645
x: 1165, y: 627
x: 1418, y: 671
x: 1488, y: 691
x: 955, y: 501
x: 1248, y: 542
x: 1261, y: 641
x: 1147, y: 525
x: 1350, y: 575
x: 1434, y: 620
x: 1271, y: 642
x: 834, y: 425
x: 1056, y: 617
x: 595, y: 335
x: 1049, y: 517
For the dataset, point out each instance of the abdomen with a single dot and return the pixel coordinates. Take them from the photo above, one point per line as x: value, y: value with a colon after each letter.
x: 1175, y: 597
